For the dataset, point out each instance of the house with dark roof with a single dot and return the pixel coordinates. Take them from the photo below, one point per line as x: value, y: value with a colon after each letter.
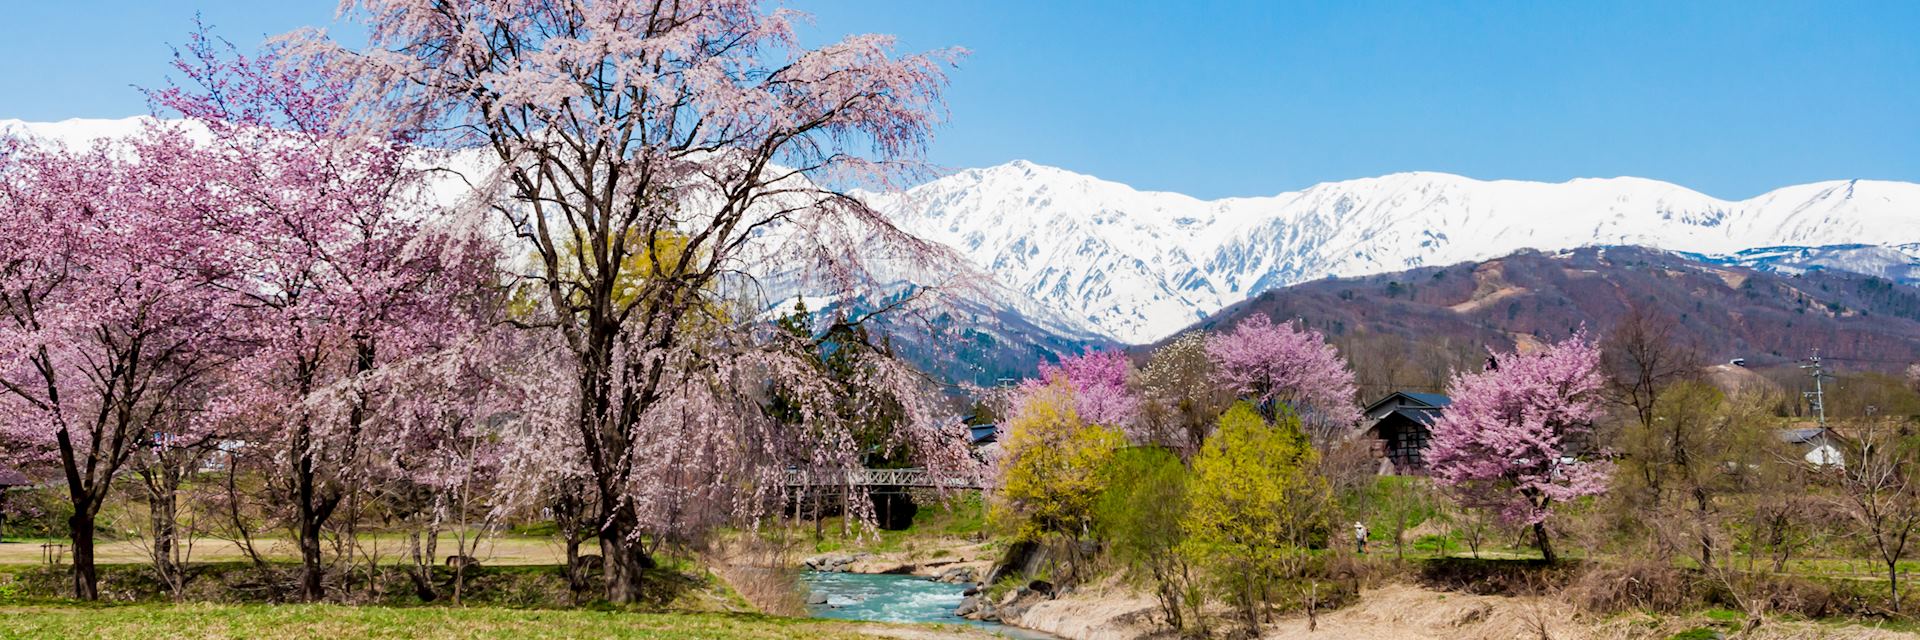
x: 1818, y: 446
x: 1400, y: 426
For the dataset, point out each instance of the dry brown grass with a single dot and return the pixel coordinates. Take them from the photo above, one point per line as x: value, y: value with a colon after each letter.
x: 763, y: 573
x: 1645, y: 585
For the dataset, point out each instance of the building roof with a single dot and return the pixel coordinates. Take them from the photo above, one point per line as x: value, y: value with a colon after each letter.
x: 1799, y: 436
x: 982, y: 433
x: 1422, y: 416
x: 1429, y: 400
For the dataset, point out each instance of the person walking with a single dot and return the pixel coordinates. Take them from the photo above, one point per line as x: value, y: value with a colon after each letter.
x: 1359, y: 537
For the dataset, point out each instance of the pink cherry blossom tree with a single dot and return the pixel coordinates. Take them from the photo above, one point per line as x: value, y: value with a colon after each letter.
x: 1506, y: 441
x: 109, y: 318
x: 1273, y: 364
x: 341, y: 265
x: 1098, y: 380
x: 649, y: 160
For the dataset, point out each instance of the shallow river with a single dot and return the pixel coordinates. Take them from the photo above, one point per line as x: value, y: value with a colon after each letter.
x: 884, y: 598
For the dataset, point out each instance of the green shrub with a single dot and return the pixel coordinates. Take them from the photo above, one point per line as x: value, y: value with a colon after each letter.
x: 1139, y: 516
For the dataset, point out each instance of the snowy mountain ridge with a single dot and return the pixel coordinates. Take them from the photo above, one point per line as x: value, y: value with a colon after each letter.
x: 1142, y: 265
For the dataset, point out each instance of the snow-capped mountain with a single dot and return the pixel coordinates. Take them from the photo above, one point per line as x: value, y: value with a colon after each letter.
x: 1141, y: 265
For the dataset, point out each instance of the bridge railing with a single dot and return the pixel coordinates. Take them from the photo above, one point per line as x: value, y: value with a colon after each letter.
x: 881, y: 478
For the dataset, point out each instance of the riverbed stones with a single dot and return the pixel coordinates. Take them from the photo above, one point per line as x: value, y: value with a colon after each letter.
x: 816, y: 598
x: 882, y: 568
x: 967, y: 607
x: 1022, y: 599
x: 957, y: 575
x: 977, y: 606
x: 834, y: 562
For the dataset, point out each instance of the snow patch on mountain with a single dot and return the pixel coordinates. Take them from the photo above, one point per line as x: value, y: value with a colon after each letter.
x: 1899, y: 263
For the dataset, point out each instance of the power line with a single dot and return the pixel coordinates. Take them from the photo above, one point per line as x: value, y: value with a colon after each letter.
x: 1818, y: 396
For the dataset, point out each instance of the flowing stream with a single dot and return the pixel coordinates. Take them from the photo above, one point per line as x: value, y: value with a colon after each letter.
x: 897, y: 598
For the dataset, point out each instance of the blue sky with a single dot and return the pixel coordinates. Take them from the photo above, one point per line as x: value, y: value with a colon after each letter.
x: 1252, y: 98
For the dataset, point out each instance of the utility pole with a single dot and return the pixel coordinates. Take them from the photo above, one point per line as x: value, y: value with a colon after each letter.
x: 1817, y: 398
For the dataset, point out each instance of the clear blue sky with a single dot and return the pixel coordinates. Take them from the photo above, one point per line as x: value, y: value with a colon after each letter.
x: 1253, y: 98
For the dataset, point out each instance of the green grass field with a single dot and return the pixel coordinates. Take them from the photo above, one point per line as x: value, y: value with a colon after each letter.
x: 156, y: 621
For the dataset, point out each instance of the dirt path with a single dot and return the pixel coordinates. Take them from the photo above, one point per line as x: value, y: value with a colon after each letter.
x: 1404, y: 612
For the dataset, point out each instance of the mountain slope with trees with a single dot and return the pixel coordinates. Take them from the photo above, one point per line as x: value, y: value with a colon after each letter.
x: 1453, y: 313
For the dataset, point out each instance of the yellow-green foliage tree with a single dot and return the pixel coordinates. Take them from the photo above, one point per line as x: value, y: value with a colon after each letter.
x: 1054, y: 468
x: 1257, y: 508
x: 1139, y: 518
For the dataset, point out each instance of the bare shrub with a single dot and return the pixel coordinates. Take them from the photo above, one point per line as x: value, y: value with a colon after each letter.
x: 760, y: 572
x: 1496, y: 577
x: 1641, y: 585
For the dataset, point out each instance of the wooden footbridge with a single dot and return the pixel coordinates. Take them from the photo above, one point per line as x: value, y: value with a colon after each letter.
x: 906, y: 478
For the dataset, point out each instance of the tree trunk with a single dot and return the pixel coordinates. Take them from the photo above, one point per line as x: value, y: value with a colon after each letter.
x: 625, y: 559
x: 162, y: 506
x: 80, y: 526
x: 1541, y: 540
x: 576, y: 575
x: 233, y: 512
x: 312, y: 587
x: 307, y: 534
x: 310, y: 509
x: 1313, y: 605
x: 1703, y: 505
x: 569, y: 516
x: 1893, y: 583
x: 459, y: 578
x: 423, y: 548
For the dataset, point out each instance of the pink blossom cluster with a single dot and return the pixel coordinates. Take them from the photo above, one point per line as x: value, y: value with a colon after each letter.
x: 1504, y: 442
x: 111, y: 304
x: 1288, y: 364
x: 1099, y: 383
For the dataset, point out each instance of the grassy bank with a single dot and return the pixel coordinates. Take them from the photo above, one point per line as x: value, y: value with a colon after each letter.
x: 493, y: 550
x: 144, y: 621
